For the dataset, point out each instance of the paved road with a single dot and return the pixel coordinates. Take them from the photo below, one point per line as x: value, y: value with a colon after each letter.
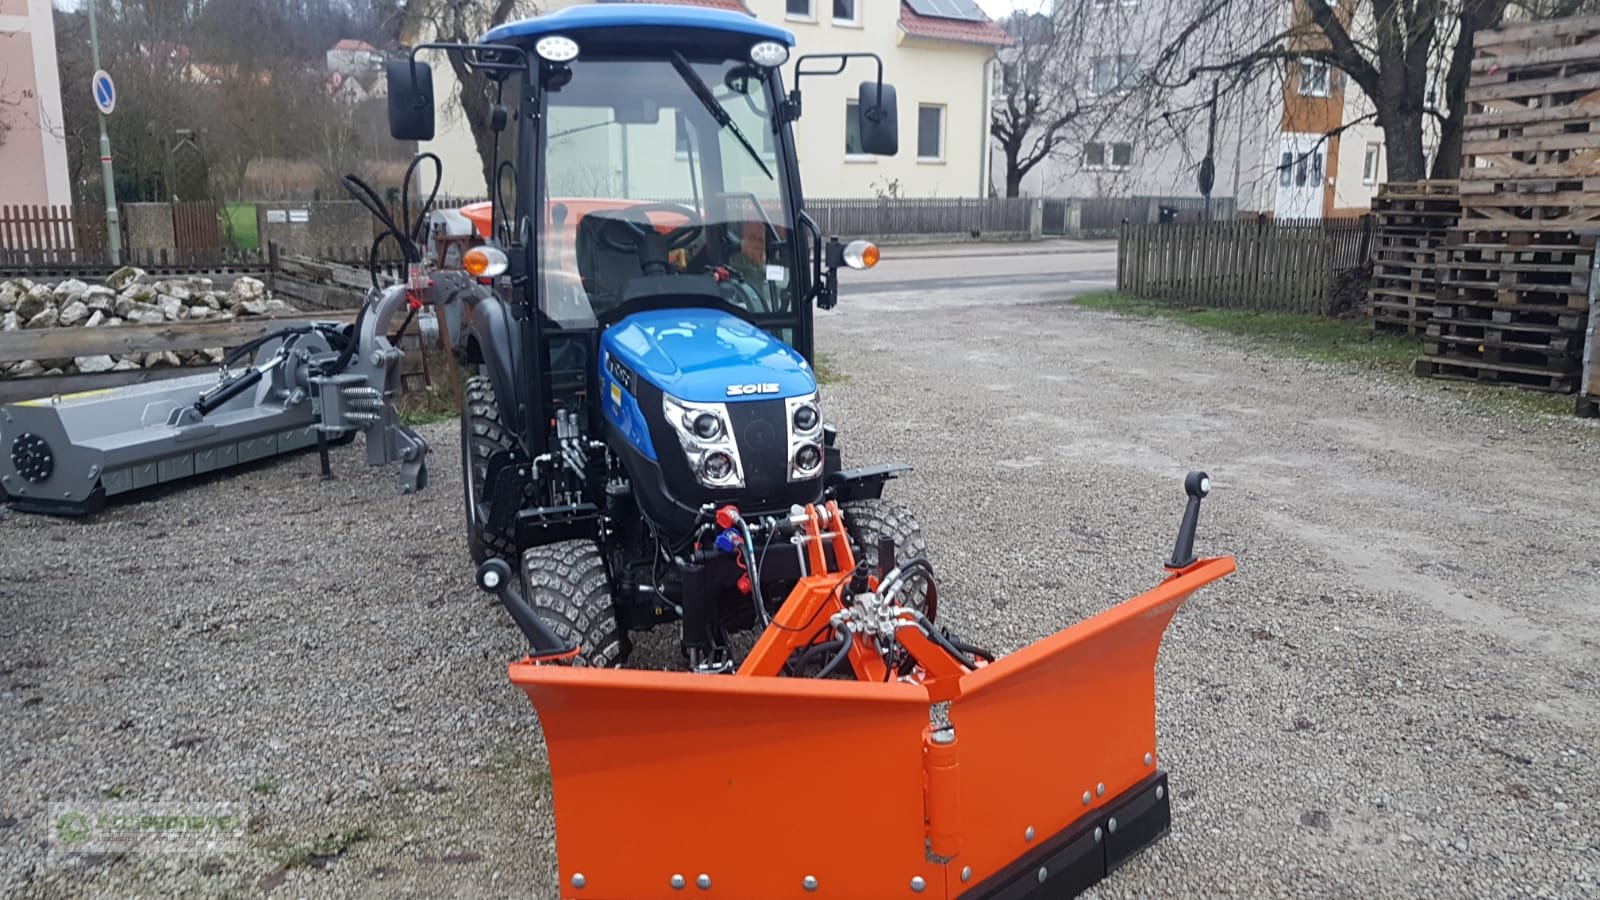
x: 1395, y: 696
x: 1070, y: 266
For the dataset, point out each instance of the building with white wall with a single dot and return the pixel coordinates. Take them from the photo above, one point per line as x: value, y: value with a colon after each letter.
x: 33, y: 146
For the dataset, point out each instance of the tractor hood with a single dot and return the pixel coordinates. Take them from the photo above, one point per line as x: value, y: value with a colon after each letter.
x: 708, y: 356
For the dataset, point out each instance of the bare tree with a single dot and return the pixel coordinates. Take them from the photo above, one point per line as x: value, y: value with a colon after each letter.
x: 1410, y: 58
x: 1037, y: 97
x: 10, y: 103
x: 462, y: 21
x: 336, y: 141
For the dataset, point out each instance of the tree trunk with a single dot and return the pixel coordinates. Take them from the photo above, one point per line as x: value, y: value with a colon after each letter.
x: 475, y: 104
x: 1013, y: 178
x: 1475, y: 16
x: 1402, y: 135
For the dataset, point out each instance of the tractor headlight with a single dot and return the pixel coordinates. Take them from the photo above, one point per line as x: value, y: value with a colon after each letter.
x: 717, y: 467
x: 805, y: 434
x: 806, y: 418
x: 708, y: 445
x: 706, y: 426
x: 807, y: 460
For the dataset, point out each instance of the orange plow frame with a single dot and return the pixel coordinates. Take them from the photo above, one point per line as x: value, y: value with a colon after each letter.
x: 760, y: 787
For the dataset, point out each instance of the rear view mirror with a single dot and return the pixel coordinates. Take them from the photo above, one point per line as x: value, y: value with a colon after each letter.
x: 410, y: 100
x: 878, y: 117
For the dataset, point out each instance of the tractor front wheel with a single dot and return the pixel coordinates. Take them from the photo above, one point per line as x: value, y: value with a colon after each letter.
x: 482, y: 436
x: 868, y: 521
x: 567, y: 587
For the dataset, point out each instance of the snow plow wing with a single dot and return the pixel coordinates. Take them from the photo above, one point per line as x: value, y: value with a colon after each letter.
x: 768, y: 787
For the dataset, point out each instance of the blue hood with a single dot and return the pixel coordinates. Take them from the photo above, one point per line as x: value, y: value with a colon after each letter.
x: 698, y: 354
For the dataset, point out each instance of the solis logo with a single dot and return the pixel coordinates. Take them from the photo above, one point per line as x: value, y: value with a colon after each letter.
x: 745, y: 390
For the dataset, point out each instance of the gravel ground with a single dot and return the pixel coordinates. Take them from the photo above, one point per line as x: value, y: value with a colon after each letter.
x: 1395, y: 696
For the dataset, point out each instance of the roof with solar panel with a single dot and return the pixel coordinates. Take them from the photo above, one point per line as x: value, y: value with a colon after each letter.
x: 950, y: 20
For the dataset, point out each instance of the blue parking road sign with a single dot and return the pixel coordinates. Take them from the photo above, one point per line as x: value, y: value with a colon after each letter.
x: 105, y: 91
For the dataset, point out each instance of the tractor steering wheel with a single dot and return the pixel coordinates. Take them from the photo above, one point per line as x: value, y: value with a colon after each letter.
x: 630, y: 230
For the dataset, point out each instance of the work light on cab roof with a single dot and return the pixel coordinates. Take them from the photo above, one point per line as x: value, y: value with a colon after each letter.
x: 556, y: 48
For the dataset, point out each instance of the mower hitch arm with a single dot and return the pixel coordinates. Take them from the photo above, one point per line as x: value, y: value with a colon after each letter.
x: 494, y: 577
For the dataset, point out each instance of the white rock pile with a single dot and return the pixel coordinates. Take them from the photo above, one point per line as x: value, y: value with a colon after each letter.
x: 129, y: 296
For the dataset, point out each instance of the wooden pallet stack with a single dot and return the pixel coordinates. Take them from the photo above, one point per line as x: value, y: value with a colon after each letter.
x: 1413, y: 221
x: 1514, y: 275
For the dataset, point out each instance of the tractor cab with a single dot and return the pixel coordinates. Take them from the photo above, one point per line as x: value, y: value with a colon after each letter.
x: 644, y: 159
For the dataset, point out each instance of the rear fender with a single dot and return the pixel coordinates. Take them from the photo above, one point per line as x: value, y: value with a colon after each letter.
x: 491, y: 340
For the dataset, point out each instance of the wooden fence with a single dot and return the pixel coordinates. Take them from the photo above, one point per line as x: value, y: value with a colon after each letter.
x: 1283, y: 265
x: 902, y: 217
x: 57, y: 235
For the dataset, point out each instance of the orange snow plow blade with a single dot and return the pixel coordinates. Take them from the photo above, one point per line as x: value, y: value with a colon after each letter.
x: 770, y: 787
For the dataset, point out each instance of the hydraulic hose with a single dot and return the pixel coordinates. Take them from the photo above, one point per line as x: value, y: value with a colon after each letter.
x: 844, y: 651
x: 250, y: 346
x: 797, y: 665
x: 754, y: 571
x: 938, y: 636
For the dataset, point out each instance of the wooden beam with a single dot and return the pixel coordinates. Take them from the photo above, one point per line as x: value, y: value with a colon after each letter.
x: 63, y: 343
x: 1537, y: 87
x: 1547, y: 56
x: 15, y: 389
x: 1511, y: 34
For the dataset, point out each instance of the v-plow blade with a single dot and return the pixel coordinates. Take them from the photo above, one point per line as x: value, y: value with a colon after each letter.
x: 1038, y: 778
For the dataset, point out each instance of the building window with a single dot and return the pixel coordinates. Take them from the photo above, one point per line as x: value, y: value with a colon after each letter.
x: 1369, y: 164
x: 1113, y: 73
x: 930, y: 132
x: 1285, y: 168
x: 1313, y: 78
x: 844, y: 11
x: 1115, y: 157
x: 800, y: 9
x: 852, y: 129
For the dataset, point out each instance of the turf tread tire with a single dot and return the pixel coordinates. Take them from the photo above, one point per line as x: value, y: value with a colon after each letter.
x: 484, y: 434
x: 868, y: 520
x: 566, y: 584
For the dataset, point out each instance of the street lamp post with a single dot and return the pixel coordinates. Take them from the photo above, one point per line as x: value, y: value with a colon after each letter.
x: 113, y: 230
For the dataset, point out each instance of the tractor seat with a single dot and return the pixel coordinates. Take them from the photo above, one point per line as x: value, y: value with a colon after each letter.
x: 604, y: 271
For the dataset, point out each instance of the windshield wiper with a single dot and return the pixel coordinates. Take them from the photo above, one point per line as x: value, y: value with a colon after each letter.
x: 717, y: 110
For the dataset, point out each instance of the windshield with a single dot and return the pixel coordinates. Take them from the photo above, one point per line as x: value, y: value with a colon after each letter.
x: 662, y: 167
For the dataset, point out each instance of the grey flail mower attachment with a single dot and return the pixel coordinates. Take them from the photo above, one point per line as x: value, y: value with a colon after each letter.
x: 307, y: 385
x: 317, y: 383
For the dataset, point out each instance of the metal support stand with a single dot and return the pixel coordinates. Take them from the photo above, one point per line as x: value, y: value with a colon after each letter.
x: 322, y: 455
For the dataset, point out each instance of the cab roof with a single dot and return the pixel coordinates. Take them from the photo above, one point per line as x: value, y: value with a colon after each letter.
x: 593, y: 17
